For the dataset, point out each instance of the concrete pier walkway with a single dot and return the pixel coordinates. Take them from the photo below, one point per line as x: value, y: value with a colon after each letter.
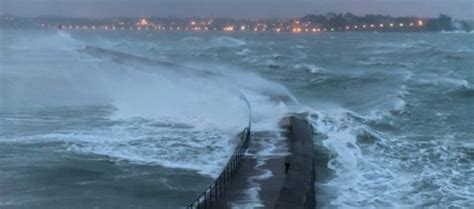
x: 263, y: 180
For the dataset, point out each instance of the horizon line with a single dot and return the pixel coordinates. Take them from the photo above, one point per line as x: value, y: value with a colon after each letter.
x: 221, y: 17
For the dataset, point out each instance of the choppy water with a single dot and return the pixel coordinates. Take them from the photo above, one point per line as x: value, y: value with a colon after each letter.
x: 86, y: 126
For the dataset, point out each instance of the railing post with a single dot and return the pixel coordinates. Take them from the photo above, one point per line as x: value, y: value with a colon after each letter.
x: 232, y: 167
x: 224, y: 180
x: 215, y: 189
x: 210, y: 196
x: 227, y: 176
x: 235, y: 165
x: 220, y: 185
x: 205, y: 201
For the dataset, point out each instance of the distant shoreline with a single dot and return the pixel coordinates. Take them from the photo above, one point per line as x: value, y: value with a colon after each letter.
x: 330, y: 22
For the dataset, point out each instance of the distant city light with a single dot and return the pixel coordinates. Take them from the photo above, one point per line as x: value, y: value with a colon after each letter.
x: 142, y: 22
x: 234, y: 25
x: 296, y: 30
x: 229, y: 28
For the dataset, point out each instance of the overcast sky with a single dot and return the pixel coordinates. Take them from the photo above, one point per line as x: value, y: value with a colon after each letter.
x: 461, y: 9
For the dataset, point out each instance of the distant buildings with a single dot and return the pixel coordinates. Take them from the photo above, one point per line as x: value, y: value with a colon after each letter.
x: 330, y: 22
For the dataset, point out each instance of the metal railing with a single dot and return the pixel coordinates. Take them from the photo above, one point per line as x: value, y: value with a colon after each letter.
x: 217, y: 188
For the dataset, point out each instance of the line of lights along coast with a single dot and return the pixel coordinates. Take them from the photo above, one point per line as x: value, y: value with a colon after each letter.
x: 295, y: 26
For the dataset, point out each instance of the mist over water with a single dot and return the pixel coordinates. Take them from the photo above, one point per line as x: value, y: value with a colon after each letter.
x: 153, y: 115
x: 80, y: 96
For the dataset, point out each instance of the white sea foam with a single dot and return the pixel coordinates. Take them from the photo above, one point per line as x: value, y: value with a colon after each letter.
x: 442, y: 80
x: 144, y: 143
x: 400, y: 45
x: 245, y: 52
x: 59, y: 41
x: 226, y: 41
x: 311, y: 68
x: 384, y: 169
x: 374, y: 169
x: 457, y: 32
x: 191, y: 39
x: 211, y: 104
x: 264, y: 148
x: 387, y: 63
x: 252, y: 201
x: 350, y: 163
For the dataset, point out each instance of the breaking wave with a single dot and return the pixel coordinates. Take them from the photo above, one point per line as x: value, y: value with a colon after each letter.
x: 144, y: 92
x: 226, y: 41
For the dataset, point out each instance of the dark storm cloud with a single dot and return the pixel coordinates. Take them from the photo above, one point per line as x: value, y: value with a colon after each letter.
x: 463, y: 9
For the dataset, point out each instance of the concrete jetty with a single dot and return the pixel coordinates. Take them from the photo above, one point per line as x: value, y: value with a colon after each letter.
x: 280, y: 181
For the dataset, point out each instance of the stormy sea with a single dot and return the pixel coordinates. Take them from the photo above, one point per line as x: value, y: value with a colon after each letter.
x: 143, y: 119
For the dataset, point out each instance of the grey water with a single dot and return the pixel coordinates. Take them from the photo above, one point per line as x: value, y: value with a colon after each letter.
x: 82, y: 129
